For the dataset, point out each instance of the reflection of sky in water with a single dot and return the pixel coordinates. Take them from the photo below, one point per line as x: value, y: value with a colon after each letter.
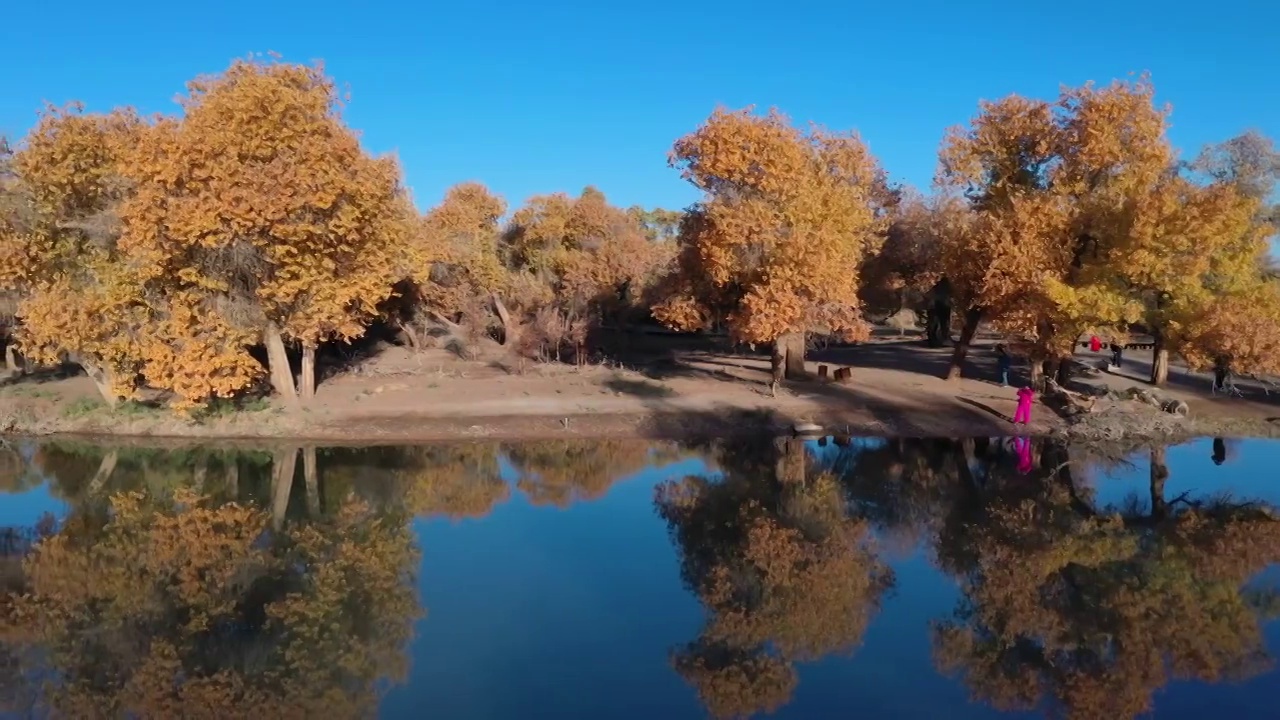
x: 568, y: 613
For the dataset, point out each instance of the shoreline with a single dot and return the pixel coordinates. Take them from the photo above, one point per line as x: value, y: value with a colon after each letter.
x: 726, y: 422
x: 404, y: 397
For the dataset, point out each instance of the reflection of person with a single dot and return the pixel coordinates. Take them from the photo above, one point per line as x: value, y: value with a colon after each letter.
x: 1003, y: 363
x: 1023, y: 446
x: 1219, y: 451
x: 1025, y: 397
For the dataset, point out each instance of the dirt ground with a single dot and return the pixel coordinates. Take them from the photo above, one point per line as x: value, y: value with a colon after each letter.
x: 658, y: 387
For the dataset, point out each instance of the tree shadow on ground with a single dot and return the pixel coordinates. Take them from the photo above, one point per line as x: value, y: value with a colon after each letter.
x: 41, y: 375
x: 835, y: 408
x: 637, y: 388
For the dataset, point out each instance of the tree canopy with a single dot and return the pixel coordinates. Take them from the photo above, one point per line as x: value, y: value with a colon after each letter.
x: 197, y: 256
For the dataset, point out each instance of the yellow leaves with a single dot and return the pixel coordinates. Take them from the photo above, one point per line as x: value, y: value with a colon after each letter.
x: 261, y: 187
x: 776, y: 244
x: 1241, y: 328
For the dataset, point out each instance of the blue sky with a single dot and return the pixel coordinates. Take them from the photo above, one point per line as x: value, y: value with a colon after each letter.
x: 538, y: 97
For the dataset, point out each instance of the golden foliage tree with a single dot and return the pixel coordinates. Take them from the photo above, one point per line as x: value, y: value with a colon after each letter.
x: 58, y: 247
x: 1081, y: 222
x: 183, y: 609
x: 260, y: 206
x: 1239, y: 332
x: 999, y: 257
x: 775, y: 244
x: 462, y: 234
x: 576, y: 262
x: 907, y: 265
x: 785, y: 573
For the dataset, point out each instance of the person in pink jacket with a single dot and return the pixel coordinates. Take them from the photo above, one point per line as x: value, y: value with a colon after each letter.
x: 1025, y: 397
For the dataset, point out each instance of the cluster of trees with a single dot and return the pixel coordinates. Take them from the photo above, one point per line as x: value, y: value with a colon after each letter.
x: 199, y: 254
x: 1055, y: 219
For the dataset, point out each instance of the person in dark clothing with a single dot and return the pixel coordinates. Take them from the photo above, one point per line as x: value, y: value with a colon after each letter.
x: 1116, y: 351
x: 1219, y: 451
x: 1004, y: 363
x: 1221, y: 373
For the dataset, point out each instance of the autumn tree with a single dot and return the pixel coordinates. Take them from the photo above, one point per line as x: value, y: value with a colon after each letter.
x: 785, y: 573
x: 1238, y: 332
x: 575, y: 263
x: 260, y: 206
x: 998, y: 257
x: 904, y: 270
x: 457, y: 272
x: 775, y: 244
x: 197, y: 609
x: 1081, y: 223
x: 59, y: 254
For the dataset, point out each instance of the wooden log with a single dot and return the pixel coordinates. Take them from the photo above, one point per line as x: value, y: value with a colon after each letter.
x: 823, y: 372
x: 844, y: 374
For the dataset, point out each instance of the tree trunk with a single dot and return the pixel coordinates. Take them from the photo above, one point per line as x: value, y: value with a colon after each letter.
x: 1037, y: 375
x: 1052, y: 369
x: 938, y: 324
x: 200, y: 474
x: 278, y: 365
x: 282, y: 470
x: 972, y: 319
x: 410, y: 336
x: 308, y: 379
x: 1159, y: 473
x: 1063, y: 375
x: 313, y: 482
x: 788, y: 357
x: 233, y: 478
x: 11, y: 359
x: 790, y: 465
x: 101, y: 379
x: 1159, y: 360
x: 509, y: 329
x: 105, y: 468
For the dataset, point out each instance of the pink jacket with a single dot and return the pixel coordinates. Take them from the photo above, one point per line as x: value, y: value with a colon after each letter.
x: 1026, y: 395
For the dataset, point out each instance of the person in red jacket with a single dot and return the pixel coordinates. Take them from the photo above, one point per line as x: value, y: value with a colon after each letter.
x: 1095, y: 344
x: 1023, y: 414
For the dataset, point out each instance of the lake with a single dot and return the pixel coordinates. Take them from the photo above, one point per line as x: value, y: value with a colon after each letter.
x: 975, y: 578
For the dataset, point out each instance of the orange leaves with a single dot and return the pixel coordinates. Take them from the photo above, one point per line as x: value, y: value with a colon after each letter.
x: 1241, y: 329
x: 262, y: 189
x: 775, y: 245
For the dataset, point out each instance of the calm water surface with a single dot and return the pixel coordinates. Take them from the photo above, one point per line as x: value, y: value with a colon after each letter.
x: 878, y: 579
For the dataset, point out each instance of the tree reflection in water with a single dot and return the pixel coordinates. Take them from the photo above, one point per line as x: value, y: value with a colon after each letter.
x: 187, y: 607
x: 1081, y: 610
x: 227, y: 583
x: 786, y: 573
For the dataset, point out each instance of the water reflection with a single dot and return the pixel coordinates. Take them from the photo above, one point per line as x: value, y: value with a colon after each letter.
x: 285, y: 581
x: 786, y: 573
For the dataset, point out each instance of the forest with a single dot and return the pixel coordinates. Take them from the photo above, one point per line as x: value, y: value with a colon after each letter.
x: 212, y: 254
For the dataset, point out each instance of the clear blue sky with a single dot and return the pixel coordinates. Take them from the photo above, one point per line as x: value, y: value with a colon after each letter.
x: 538, y: 97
